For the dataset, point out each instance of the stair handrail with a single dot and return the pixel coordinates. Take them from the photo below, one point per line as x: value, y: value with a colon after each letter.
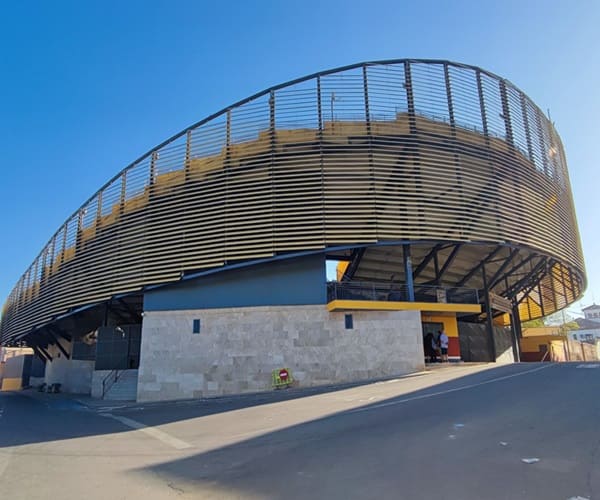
x: 107, y: 383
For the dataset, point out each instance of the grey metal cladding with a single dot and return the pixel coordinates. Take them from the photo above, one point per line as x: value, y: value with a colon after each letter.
x: 378, y: 151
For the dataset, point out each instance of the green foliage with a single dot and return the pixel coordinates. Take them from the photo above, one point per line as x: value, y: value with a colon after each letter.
x: 533, y: 323
x: 571, y: 325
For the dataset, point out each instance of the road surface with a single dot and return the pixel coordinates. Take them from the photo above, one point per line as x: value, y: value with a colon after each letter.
x: 457, y: 433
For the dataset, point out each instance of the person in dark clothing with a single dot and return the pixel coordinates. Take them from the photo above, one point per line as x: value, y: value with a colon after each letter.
x: 429, y: 347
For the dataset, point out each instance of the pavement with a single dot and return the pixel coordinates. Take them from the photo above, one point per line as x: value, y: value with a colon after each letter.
x: 453, y: 370
x: 520, y: 431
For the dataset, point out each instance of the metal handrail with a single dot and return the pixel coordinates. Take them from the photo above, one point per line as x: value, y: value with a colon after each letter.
x: 393, y: 292
x: 105, y: 381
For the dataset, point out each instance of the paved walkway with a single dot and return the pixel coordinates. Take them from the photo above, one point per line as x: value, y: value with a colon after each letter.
x: 448, y: 371
x: 520, y: 431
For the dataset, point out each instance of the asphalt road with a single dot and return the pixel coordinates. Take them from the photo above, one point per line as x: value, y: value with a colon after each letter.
x: 458, y: 433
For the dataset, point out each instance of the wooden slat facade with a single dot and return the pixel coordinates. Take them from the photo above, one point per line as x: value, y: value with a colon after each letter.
x: 395, y: 150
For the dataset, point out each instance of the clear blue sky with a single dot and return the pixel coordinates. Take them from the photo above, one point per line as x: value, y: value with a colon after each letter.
x: 88, y: 86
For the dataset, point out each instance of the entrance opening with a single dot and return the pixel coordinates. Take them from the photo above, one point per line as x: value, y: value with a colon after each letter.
x: 430, y: 331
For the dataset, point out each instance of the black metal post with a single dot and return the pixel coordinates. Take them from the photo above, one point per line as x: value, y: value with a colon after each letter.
x: 408, y: 273
x: 515, y: 323
x: 106, y: 313
x: 489, y: 320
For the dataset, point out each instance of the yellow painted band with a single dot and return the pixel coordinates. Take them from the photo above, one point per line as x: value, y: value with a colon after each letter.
x: 376, y: 305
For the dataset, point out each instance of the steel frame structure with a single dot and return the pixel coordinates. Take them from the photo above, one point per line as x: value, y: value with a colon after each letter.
x: 447, y: 158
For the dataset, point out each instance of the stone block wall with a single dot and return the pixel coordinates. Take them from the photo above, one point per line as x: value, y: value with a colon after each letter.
x: 97, y: 378
x: 237, y: 348
x: 503, y: 342
x: 75, y: 376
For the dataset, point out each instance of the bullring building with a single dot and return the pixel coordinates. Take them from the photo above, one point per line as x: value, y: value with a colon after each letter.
x: 437, y: 192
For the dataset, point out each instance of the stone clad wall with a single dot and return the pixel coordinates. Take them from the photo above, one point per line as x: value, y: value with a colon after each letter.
x: 74, y: 376
x: 237, y: 348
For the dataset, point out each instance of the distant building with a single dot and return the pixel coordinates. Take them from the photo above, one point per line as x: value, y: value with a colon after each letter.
x: 586, y: 335
x: 18, y: 367
x: 589, y: 326
x: 592, y: 313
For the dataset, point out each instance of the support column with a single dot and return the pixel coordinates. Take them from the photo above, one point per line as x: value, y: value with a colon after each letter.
x: 408, y: 273
x: 515, y: 325
x: 489, y: 319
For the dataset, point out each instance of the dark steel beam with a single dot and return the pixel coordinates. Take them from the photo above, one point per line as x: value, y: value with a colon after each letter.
x: 357, y: 256
x: 60, y: 332
x: 498, y: 276
x: 410, y: 98
x: 57, y: 342
x: 524, y: 282
x: 48, y: 357
x: 426, y: 260
x: 448, y: 263
x: 346, y: 258
x: 541, y: 296
x: 476, y: 269
x: 518, y: 266
x: 489, y: 320
x: 40, y: 354
x: 515, y: 329
x: 506, y: 113
x: 408, y: 272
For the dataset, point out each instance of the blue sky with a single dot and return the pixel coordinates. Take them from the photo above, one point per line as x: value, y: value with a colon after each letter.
x: 87, y: 87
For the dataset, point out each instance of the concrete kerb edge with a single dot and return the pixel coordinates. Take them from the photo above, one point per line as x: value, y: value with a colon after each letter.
x: 279, y: 394
x: 274, y: 395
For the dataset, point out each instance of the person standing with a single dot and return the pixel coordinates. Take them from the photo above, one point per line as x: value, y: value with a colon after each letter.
x: 443, y: 339
x: 435, y: 347
x: 428, y: 347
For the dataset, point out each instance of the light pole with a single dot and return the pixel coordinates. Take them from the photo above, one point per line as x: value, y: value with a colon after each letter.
x: 333, y: 98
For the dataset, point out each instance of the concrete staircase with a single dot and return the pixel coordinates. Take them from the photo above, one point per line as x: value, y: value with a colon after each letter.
x: 125, y: 388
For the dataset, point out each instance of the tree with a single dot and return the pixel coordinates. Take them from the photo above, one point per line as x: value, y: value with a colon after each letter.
x: 533, y: 323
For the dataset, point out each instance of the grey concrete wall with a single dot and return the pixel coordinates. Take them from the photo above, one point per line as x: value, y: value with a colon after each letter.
x: 474, y: 345
x: 36, y: 381
x: 237, y: 349
x: 504, y: 347
x: 12, y: 361
x: 97, y: 378
x: 297, y: 281
x: 74, y: 376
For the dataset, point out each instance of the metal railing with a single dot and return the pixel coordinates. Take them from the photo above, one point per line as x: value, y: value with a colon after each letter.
x: 308, y: 165
x: 357, y: 290
x: 109, y: 380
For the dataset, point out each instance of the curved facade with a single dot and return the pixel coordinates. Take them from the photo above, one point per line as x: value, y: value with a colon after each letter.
x: 357, y: 163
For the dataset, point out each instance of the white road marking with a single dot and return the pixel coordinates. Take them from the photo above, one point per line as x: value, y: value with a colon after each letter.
x: 151, y: 431
x: 589, y: 365
x: 530, y: 460
x: 448, y: 391
x: 4, y: 459
x: 4, y: 454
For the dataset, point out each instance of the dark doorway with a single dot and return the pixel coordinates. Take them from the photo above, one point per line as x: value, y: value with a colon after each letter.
x: 27, y: 362
x: 118, y: 347
x: 433, y: 329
